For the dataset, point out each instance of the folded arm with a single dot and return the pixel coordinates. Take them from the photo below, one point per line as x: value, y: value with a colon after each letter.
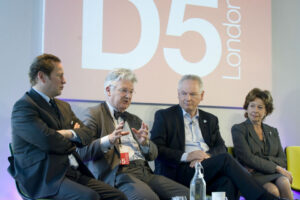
x: 28, y: 125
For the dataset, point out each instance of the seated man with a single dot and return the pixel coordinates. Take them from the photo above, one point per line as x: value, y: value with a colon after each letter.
x: 45, y: 132
x: 121, y: 147
x: 185, y: 135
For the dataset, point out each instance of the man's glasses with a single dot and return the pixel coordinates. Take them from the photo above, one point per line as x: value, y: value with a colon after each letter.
x: 192, y: 94
x: 125, y: 91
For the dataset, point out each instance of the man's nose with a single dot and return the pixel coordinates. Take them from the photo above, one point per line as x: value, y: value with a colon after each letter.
x: 188, y: 96
x: 128, y: 94
x: 64, y: 80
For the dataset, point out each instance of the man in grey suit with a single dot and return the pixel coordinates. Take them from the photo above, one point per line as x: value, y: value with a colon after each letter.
x: 121, y: 147
x: 45, y: 134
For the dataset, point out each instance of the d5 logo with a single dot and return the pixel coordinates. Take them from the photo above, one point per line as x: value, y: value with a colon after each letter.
x: 93, y: 56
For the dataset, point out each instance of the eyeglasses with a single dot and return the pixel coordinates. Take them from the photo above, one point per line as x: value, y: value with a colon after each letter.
x: 192, y: 94
x: 125, y: 91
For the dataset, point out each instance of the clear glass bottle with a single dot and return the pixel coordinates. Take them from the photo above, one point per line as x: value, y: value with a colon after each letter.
x: 198, y: 185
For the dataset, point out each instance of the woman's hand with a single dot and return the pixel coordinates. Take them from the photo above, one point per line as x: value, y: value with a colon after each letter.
x: 285, y: 173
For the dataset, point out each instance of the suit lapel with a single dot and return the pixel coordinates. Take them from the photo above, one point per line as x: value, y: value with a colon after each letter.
x: 253, y: 133
x: 203, y: 123
x: 38, y: 99
x: 109, y: 122
x: 267, y: 131
x: 61, y: 116
x: 179, y: 122
x: 41, y: 102
x: 109, y: 126
x: 268, y: 137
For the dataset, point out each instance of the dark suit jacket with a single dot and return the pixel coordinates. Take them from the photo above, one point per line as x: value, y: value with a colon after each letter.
x: 40, y: 153
x: 104, y: 165
x: 263, y: 157
x: 169, y: 136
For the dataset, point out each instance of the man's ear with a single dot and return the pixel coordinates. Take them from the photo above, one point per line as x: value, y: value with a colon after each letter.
x: 202, y: 95
x: 41, y: 76
x: 108, y: 90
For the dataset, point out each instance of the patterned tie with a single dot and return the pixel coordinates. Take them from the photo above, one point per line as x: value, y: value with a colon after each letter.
x: 54, y: 106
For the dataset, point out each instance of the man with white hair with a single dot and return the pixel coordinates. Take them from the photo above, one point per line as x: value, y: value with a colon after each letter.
x: 121, y: 147
x: 185, y: 134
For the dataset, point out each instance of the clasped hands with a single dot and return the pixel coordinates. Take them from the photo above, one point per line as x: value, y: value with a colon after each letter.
x: 141, y: 134
x: 196, y: 156
x: 285, y: 173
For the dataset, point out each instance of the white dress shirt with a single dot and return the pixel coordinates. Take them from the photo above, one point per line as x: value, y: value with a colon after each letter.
x: 128, y: 143
x: 193, y: 136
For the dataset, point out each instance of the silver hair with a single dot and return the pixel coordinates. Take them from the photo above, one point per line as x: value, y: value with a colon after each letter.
x: 119, y: 74
x: 191, y: 77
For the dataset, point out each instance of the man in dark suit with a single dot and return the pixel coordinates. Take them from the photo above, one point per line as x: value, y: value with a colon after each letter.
x: 121, y: 147
x: 45, y: 133
x: 185, y: 135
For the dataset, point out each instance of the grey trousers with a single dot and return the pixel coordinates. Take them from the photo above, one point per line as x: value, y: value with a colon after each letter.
x: 138, y: 182
x: 77, y: 186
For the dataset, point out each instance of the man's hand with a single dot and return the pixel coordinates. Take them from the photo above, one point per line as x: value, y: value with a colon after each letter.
x: 193, y: 163
x: 117, y: 133
x: 141, y: 134
x: 197, y: 155
x: 66, y: 133
x: 76, y: 125
x: 250, y: 170
x: 285, y: 173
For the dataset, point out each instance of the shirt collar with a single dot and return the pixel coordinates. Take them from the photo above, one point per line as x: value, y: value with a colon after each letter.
x: 111, y: 109
x: 185, y: 114
x: 47, y: 99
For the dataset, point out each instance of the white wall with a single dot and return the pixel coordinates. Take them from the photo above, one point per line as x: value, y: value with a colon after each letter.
x: 20, y: 42
x: 286, y: 69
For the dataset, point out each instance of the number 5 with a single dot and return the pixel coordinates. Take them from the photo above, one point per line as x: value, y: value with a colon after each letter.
x: 177, y: 27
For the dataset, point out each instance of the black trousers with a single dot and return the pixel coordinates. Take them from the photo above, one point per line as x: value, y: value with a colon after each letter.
x: 223, y: 173
x: 138, y: 182
x: 77, y: 186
